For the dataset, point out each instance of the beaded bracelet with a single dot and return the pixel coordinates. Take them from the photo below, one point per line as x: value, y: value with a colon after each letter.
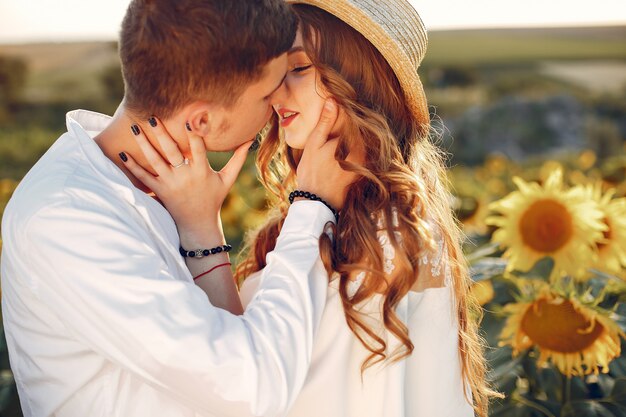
x: 312, y: 197
x: 201, y: 253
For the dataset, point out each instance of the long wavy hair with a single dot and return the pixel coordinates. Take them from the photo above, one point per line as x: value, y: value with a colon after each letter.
x: 403, y: 177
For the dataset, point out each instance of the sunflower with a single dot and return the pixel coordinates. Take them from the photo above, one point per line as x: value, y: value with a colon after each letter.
x: 483, y: 291
x: 472, y: 212
x: 587, y: 159
x: 578, y: 338
x: 611, y: 256
x: 537, y: 221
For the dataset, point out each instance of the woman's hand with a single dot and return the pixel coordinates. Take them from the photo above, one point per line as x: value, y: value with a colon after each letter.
x: 190, y: 189
x: 318, y: 170
x: 193, y: 193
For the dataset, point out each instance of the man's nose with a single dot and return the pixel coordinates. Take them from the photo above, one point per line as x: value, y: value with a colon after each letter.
x: 279, y: 95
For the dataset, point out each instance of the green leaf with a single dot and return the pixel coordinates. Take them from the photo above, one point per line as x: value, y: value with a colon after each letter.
x: 618, y: 393
x: 619, y: 316
x: 617, y: 367
x: 616, y: 409
x: 506, y: 410
x: 550, y: 380
x: 585, y: 409
x: 541, y: 407
x: 487, y: 268
x: 504, y: 290
x: 482, y: 252
x: 578, y: 389
x: 604, y: 275
x: 503, y: 365
x: 491, y: 327
x: 606, y: 383
x: 541, y: 270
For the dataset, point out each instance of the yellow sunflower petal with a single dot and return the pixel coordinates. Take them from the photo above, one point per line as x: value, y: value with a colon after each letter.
x: 611, y: 248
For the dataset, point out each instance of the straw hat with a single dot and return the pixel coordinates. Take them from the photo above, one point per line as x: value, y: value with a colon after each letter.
x: 397, y: 31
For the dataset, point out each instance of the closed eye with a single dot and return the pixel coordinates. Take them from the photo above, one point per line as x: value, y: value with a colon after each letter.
x: 302, y: 68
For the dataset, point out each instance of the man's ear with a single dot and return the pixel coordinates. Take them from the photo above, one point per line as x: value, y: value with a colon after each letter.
x: 203, y: 118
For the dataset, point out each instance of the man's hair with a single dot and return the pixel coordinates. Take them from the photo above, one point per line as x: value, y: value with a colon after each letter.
x: 174, y: 52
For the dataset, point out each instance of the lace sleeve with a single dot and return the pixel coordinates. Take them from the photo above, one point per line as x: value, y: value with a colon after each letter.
x: 434, y: 264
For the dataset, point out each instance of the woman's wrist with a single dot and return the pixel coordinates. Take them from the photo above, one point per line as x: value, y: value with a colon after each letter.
x: 297, y: 195
x: 201, y: 236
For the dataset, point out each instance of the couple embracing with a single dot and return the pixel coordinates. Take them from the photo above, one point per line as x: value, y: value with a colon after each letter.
x: 118, y: 294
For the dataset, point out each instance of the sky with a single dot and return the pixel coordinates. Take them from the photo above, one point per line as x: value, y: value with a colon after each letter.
x: 67, y: 20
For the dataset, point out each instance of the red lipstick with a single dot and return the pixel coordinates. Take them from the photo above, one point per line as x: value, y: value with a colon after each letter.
x: 287, y: 116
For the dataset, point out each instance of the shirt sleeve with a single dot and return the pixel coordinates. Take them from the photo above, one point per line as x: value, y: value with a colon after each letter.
x: 114, y: 292
x: 249, y: 288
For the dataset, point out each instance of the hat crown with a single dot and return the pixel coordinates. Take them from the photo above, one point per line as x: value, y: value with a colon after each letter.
x: 401, y: 23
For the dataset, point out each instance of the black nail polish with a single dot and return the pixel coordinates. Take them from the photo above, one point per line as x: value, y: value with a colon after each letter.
x: 254, y: 146
x: 188, y: 126
x: 152, y: 122
x: 135, y: 130
x: 123, y: 157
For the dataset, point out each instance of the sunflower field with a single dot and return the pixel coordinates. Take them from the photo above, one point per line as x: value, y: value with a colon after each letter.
x: 546, y: 241
x: 547, y: 247
x: 534, y: 121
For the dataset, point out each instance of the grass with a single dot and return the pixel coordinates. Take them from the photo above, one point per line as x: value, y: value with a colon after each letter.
x: 68, y: 71
x: 492, y: 46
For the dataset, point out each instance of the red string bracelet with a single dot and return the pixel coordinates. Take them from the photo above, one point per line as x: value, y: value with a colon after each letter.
x: 212, y: 269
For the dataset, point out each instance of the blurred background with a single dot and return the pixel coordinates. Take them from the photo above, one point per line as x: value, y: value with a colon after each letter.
x: 515, y: 88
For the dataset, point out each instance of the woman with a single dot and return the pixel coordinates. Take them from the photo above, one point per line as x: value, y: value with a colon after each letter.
x: 399, y: 332
x: 398, y: 311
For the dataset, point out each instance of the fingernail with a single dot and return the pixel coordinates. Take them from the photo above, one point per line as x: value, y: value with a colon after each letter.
x: 330, y: 104
x: 123, y: 157
x: 254, y: 146
x: 135, y: 130
x: 188, y: 126
x: 152, y: 122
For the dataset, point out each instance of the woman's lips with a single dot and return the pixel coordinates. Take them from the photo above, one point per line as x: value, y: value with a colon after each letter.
x: 287, y: 116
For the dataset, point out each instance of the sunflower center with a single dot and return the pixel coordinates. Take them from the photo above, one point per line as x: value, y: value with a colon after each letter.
x: 559, y: 326
x: 546, y: 226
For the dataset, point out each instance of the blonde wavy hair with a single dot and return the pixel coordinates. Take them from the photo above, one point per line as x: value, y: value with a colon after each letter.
x: 403, y: 173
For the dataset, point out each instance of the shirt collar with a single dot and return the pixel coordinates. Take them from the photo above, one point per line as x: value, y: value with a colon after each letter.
x: 84, y: 125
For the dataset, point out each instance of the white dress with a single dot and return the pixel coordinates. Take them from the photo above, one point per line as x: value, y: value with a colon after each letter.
x: 426, y: 384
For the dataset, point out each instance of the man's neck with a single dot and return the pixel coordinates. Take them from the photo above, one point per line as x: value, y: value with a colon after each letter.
x: 117, y: 137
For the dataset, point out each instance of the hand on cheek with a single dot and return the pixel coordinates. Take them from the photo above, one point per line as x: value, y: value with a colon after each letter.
x: 318, y: 170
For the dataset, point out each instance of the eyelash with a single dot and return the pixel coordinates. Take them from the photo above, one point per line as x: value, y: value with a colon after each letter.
x: 303, y: 68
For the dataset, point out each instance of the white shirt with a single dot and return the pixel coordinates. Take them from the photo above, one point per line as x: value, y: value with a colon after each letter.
x: 102, y: 317
x: 426, y: 384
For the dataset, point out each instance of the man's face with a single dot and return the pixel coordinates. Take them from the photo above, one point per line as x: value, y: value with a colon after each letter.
x: 241, y: 122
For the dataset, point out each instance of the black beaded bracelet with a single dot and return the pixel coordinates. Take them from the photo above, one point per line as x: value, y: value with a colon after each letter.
x: 201, y: 253
x: 312, y: 197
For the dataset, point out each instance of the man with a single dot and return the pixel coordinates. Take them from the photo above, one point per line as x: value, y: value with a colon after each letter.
x: 101, y: 314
